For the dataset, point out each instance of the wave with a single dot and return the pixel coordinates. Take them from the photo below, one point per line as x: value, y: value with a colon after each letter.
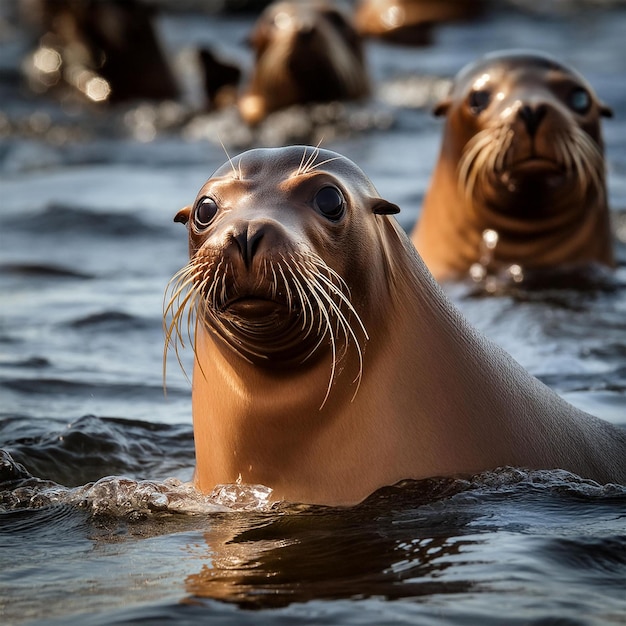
x: 64, y: 219
x: 93, y: 447
x: 144, y: 448
x: 111, y: 320
x: 40, y: 270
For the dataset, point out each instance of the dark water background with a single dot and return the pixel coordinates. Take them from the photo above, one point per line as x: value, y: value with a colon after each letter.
x: 98, y: 525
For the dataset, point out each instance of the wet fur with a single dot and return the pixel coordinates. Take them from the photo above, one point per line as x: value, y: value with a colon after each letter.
x: 540, y: 224
x: 399, y: 385
x: 312, y: 55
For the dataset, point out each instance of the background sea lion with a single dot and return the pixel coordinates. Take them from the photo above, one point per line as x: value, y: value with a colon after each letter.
x: 410, y: 21
x: 328, y: 361
x: 522, y: 155
x: 107, y: 51
x: 305, y: 52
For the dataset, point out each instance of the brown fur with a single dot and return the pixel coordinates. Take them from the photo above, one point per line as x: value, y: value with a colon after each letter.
x: 305, y: 51
x: 409, y: 22
x: 417, y: 393
x: 537, y: 170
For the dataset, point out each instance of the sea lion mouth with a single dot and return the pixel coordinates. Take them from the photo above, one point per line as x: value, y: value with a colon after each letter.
x: 299, y: 309
x: 255, y: 307
x: 488, y: 164
x: 535, y: 165
x: 538, y: 171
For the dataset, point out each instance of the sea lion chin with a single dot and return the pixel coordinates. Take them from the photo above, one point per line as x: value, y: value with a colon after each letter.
x: 522, y: 155
x: 328, y: 362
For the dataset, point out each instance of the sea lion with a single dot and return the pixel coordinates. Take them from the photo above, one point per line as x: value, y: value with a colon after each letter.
x: 220, y: 78
x: 328, y: 361
x: 306, y: 52
x: 410, y: 22
x: 521, y: 157
x: 107, y: 51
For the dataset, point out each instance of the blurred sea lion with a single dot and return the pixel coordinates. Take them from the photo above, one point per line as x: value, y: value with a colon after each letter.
x: 305, y: 51
x: 108, y: 51
x: 220, y: 79
x: 522, y: 164
x: 410, y: 22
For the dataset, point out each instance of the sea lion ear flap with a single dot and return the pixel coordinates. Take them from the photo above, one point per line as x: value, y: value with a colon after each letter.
x: 383, y: 207
x: 605, y: 111
x: 183, y: 215
x: 441, y: 108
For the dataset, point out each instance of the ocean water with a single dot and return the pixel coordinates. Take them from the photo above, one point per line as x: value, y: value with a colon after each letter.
x: 98, y: 522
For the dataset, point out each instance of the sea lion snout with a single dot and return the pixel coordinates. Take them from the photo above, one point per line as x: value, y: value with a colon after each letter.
x: 532, y: 115
x: 249, y: 240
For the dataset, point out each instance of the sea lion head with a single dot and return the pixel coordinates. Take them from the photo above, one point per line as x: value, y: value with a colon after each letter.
x: 282, y: 256
x: 525, y: 132
x: 305, y: 51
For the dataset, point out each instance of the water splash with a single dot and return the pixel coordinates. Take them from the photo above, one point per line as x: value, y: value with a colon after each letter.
x: 119, y: 496
x: 239, y: 496
x: 487, y: 273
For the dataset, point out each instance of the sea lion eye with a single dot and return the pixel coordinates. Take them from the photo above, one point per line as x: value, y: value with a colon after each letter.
x: 579, y: 100
x: 330, y: 202
x: 479, y: 100
x: 204, y: 212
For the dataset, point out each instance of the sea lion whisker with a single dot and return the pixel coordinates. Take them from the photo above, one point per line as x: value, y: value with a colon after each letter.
x: 213, y: 279
x: 467, y: 168
x: 594, y: 159
x: 348, y: 332
x: 313, y: 167
x: 237, y: 174
x: 309, y: 281
x: 192, y: 316
x: 341, y: 295
x: 343, y: 322
x: 176, y: 317
x: 567, y: 153
x: 332, y: 274
x: 301, y: 165
x: 310, y: 160
x: 307, y: 296
x: 505, y: 146
x: 274, y: 290
x: 579, y: 167
x: 333, y: 367
x: 176, y: 312
x: 176, y: 286
x: 223, y: 288
x: 304, y: 299
x: 559, y: 148
x: 173, y: 335
x: 287, y: 288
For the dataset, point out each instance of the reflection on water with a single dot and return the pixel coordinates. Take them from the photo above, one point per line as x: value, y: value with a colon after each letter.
x: 548, y: 544
x: 329, y: 554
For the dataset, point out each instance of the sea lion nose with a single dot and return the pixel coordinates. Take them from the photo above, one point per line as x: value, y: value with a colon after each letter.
x: 247, y: 238
x: 532, y: 115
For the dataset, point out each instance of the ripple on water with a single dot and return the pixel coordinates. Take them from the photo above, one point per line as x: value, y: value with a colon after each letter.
x: 62, y: 219
x: 91, y: 448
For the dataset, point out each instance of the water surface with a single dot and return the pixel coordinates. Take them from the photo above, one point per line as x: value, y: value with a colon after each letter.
x: 98, y: 524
